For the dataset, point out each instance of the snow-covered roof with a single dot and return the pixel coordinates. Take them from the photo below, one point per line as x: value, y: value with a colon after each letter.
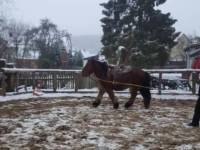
x: 193, y: 46
x: 87, y: 54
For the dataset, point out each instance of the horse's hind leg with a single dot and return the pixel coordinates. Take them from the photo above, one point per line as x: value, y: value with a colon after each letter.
x: 133, y: 92
x: 145, y: 92
x: 97, y: 101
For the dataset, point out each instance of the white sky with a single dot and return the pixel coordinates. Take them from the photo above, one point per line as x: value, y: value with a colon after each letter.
x: 82, y: 17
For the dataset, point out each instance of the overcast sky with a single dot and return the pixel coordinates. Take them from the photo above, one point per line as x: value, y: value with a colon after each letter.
x: 82, y: 17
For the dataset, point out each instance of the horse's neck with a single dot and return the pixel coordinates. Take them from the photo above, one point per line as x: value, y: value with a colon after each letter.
x: 100, y: 73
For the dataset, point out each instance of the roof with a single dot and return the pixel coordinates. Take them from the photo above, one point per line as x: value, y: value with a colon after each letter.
x: 193, y: 46
x: 182, y: 36
x: 87, y: 54
x: 195, y: 53
x: 90, y: 57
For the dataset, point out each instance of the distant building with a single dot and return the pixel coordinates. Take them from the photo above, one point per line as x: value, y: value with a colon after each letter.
x: 192, y: 52
x: 30, y: 60
x: 177, y: 52
x: 26, y: 63
x: 177, y: 58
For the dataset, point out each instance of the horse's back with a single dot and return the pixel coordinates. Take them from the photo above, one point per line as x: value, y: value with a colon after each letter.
x: 131, y: 75
x: 126, y: 71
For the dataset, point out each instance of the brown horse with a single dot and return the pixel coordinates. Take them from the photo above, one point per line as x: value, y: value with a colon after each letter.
x: 118, y: 78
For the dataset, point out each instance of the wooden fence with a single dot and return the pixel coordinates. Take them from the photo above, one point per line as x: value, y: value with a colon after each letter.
x: 56, y: 80
x: 191, y: 76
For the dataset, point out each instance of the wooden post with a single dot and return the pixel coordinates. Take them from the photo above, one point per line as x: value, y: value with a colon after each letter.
x: 34, y: 81
x: 194, y: 78
x: 26, y: 82
x: 3, y: 85
x: 17, y: 80
x: 54, y: 82
x: 77, y: 78
x: 160, y: 84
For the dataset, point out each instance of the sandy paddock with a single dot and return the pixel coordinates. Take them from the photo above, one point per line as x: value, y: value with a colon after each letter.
x: 72, y: 123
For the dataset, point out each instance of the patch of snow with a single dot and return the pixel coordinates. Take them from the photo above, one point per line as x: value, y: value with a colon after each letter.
x: 164, y: 96
x: 169, y: 76
x: 184, y: 147
x: 138, y: 147
x: 101, y: 142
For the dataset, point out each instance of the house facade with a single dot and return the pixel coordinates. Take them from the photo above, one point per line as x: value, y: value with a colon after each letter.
x: 192, y: 52
x: 177, y: 58
x: 26, y: 63
x: 177, y: 52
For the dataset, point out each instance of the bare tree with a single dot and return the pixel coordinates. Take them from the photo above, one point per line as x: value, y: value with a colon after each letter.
x: 16, y: 32
x: 3, y: 47
x: 3, y: 42
x: 49, y: 41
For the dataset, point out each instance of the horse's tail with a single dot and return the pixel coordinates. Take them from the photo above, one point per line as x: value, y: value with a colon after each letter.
x: 147, y: 80
x: 145, y: 91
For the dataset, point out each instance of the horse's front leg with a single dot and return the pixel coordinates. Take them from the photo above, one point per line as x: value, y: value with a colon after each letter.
x: 133, y: 93
x: 97, y: 101
x: 113, y: 98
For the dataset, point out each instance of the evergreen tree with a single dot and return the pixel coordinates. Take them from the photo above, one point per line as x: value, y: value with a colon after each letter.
x: 142, y: 29
x: 111, y: 30
x: 78, y: 59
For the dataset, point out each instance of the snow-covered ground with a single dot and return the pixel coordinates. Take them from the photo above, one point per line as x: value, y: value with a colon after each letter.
x: 68, y: 121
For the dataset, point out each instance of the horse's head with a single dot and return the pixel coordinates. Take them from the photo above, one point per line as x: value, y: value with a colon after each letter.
x: 89, y: 68
x: 95, y: 66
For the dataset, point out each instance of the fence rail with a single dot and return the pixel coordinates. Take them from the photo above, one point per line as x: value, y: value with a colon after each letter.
x: 57, y: 79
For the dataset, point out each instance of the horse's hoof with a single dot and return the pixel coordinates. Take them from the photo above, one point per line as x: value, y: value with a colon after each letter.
x: 146, y: 107
x: 95, y: 104
x: 116, y: 106
x: 127, y: 105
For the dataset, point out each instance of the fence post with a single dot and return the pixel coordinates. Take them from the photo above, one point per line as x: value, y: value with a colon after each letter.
x: 34, y: 82
x: 194, y: 79
x: 4, y: 84
x: 77, y: 78
x: 160, y: 84
x: 26, y: 82
x: 54, y: 82
x: 17, y: 81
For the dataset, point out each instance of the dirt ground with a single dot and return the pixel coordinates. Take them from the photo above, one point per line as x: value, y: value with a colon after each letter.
x: 72, y: 123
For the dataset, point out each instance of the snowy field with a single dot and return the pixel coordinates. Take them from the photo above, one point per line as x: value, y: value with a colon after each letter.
x: 68, y: 121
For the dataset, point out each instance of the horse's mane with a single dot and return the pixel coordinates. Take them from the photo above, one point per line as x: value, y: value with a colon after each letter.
x: 104, y: 67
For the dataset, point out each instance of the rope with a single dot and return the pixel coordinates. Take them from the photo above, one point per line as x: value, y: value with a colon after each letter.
x: 127, y: 84
x: 121, y: 83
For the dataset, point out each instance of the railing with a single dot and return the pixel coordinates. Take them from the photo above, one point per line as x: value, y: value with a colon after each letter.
x: 189, y: 75
x: 57, y: 80
x: 49, y: 79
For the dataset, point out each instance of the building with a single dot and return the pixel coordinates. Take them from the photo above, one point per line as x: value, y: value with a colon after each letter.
x: 177, y: 58
x: 26, y: 63
x: 177, y: 52
x: 192, y: 52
